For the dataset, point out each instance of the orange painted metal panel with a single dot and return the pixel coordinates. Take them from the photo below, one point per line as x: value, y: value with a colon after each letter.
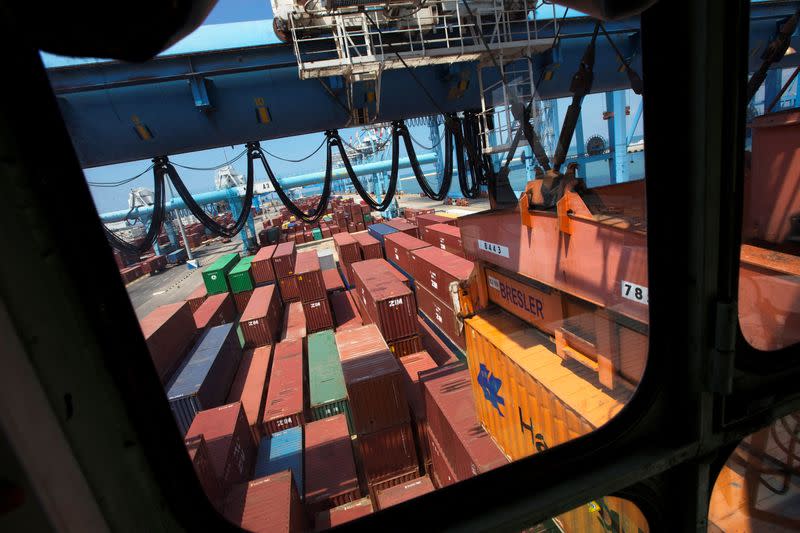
x: 540, y: 306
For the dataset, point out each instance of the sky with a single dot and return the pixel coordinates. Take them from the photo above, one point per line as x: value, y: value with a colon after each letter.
x: 226, y: 11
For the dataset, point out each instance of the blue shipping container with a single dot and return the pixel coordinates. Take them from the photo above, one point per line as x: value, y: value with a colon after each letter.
x: 380, y: 230
x: 282, y: 451
x: 204, y: 379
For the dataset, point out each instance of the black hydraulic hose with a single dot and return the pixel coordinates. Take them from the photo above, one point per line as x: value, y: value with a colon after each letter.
x: 472, y: 144
x: 156, y: 221
x: 450, y: 127
x: 580, y: 86
x: 199, y: 212
x: 254, y: 151
x: 334, y: 139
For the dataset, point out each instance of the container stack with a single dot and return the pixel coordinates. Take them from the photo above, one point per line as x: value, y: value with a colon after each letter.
x: 215, y: 276
x: 342, y: 514
x: 327, y: 393
x: 403, y: 226
x: 169, y: 332
x: 282, y: 451
x: 404, y: 492
x: 266, y: 505
x: 283, y: 261
x: 260, y: 322
x: 349, y: 252
x: 370, y: 246
x: 284, y: 405
x: 313, y: 294
x: 410, y: 213
x: 345, y: 311
x: 294, y: 324
x: 250, y: 386
x: 201, y: 461
x: 216, y: 310
x: 427, y: 219
x: 379, y: 408
x: 412, y: 366
x: 261, y: 266
x: 379, y: 231
x: 444, y: 236
x: 197, y: 297
x: 398, y: 247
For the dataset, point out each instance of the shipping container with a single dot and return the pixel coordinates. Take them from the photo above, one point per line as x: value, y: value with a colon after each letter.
x: 374, y: 380
x: 289, y: 290
x: 310, y: 282
x: 342, y: 514
x: 553, y: 401
x: 316, y: 234
x: 411, y: 213
x: 261, y: 266
x: 442, y: 316
x: 267, y: 505
x: 176, y: 257
x: 391, y: 269
x: 327, y: 261
x: 326, y: 389
x: 206, y: 475
x: 197, y: 297
x: 370, y: 246
x: 452, y: 419
x: 434, y: 345
x: 402, y: 225
x: 444, y: 236
x: 318, y: 315
x: 240, y: 277
x: 412, y: 365
x: 169, y: 332
x: 441, y: 469
x: 333, y: 281
x: 388, y: 303
x: 283, y: 259
x: 250, y: 386
x: 204, y: 379
x: 282, y: 451
x: 388, y: 455
x: 218, y: 309
x: 215, y: 276
x: 379, y: 231
x: 284, y: 406
x: 439, y: 271
x: 525, y: 298
x: 345, y: 312
x: 294, y: 324
x: 261, y: 320
x: 327, y: 443
x: 407, y: 346
x: 398, y: 248
x: 404, y: 492
x: 241, y: 299
x: 423, y: 220
x: 231, y: 448
x: 347, y: 248
x: 131, y: 273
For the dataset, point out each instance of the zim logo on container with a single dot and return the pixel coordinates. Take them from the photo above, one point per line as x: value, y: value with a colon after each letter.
x: 491, y: 388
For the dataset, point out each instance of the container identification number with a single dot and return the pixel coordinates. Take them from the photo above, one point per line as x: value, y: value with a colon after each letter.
x: 637, y: 293
x: 496, y: 249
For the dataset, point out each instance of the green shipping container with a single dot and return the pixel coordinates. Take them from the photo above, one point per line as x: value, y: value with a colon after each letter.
x: 317, y: 233
x: 240, y: 278
x: 215, y: 275
x: 327, y: 391
x: 367, y: 217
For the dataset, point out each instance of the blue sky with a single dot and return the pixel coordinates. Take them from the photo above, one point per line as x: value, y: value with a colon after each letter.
x: 108, y: 199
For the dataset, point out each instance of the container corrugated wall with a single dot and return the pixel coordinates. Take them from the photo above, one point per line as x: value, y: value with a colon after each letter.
x: 388, y: 454
x: 345, y: 311
x: 369, y: 245
x: 282, y: 451
x: 169, y: 332
x: 240, y: 277
x: 294, y: 324
x: 441, y: 315
x: 403, y: 347
x: 283, y: 259
x: 441, y: 470
x: 272, y: 500
x: 242, y: 299
x: 197, y: 297
x: 388, y: 302
x: 342, y: 514
x: 404, y: 492
x: 437, y: 271
x: 318, y: 315
x: 445, y: 237
x: 307, y: 271
x: 198, y: 454
x: 218, y: 309
x: 547, y: 400
x: 284, y: 405
x: 328, y: 443
x: 215, y: 276
x: 261, y: 266
x: 250, y: 386
x: 326, y: 387
x: 261, y: 319
x: 290, y: 292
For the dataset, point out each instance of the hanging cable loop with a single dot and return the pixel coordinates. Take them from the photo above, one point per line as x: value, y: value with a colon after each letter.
x: 335, y: 140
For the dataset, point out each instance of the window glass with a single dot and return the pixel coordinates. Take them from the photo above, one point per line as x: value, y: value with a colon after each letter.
x: 757, y: 489
x: 604, y: 515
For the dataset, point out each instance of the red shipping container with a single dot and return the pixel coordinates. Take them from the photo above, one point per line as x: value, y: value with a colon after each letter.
x: 294, y: 324
x: 269, y: 504
x: 444, y: 236
x: 428, y: 219
x: 351, y: 227
x: 360, y: 226
x: 218, y: 309
x: 326, y: 232
x: 283, y: 259
x: 131, y: 273
x: 169, y: 332
x: 327, y: 444
x: 347, y: 249
x: 335, y: 229
x: 157, y: 263
x: 452, y: 420
x: 437, y: 270
x: 402, y: 225
x: 333, y: 280
x: 412, y: 365
x: 404, y: 492
x: 289, y: 290
x: 402, y: 347
x: 261, y: 320
x: 373, y: 378
x: 318, y: 315
x: 388, y: 455
x: 345, y: 312
x: 388, y: 303
x: 242, y: 299
x: 250, y: 386
x: 399, y: 247
x: 284, y: 405
x: 231, y: 448
x: 308, y: 273
x: 198, y: 454
x: 411, y: 213
x: 399, y: 276
x: 342, y: 514
x: 441, y: 469
x: 308, y: 236
x: 442, y: 316
x: 261, y: 266
x: 299, y: 237
x: 197, y: 297
x: 435, y: 346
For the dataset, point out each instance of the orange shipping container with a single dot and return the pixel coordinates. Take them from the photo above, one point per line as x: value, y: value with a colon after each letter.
x: 526, y: 396
x: 533, y: 302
